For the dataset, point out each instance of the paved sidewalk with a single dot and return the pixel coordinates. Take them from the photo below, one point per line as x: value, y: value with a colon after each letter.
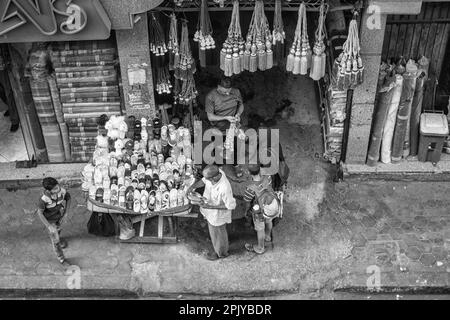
x: 330, y: 236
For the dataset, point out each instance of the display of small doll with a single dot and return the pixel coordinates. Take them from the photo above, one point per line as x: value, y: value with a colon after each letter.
x: 122, y: 197
x: 137, y: 201
x: 151, y: 201
x: 129, y: 198
x: 163, y: 186
x: 173, y: 195
x: 158, y: 200
x: 165, y: 204
x: 114, y: 194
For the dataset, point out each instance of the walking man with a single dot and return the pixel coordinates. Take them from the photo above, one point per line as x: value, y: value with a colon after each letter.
x: 216, y: 208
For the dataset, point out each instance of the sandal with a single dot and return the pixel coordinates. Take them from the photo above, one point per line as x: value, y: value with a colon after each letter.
x: 251, y: 248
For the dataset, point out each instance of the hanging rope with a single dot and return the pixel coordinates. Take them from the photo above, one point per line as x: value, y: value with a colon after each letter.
x: 318, y: 65
x: 348, y: 70
x: 173, y: 45
x: 299, y: 58
x: 186, y: 65
x: 204, y: 32
x: 259, y: 41
x: 157, y: 39
x: 278, y: 35
x: 232, y: 53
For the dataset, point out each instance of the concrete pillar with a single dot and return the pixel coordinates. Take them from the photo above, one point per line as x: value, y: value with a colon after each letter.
x: 371, y: 40
x: 133, y: 48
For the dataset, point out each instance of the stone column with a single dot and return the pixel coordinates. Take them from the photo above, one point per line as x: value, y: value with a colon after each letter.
x: 134, y: 49
x: 371, y: 40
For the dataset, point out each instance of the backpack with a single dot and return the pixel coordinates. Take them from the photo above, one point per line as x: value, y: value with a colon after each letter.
x: 268, y: 200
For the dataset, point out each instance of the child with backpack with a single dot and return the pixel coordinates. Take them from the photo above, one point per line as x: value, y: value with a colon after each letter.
x: 52, y: 210
x: 264, y: 206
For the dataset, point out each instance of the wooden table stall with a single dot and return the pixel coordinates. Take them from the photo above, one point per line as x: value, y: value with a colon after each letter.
x: 175, y: 213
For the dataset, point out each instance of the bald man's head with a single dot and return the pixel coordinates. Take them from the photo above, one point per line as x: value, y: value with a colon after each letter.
x: 211, y: 172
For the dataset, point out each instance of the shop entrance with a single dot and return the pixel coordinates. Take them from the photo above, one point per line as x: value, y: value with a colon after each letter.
x: 12, y: 142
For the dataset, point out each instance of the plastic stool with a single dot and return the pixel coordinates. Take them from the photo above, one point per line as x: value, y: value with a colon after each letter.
x: 433, y: 131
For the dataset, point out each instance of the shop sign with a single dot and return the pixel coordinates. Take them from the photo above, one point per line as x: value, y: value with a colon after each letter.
x: 52, y: 20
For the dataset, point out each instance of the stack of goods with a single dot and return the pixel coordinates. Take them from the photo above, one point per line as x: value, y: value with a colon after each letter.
x: 185, y: 91
x: 299, y: 58
x: 173, y: 46
x: 318, y: 64
x: 395, y: 133
x: 203, y: 35
x: 259, y: 41
x: 145, y: 175
x: 42, y: 97
x: 232, y: 56
x: 348, y: 70
x: 88, y: 88
x: 278, y: 35
x: 334, y: 117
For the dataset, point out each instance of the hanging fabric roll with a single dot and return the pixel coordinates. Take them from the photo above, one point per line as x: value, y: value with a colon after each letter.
x: 259, y: 40
x: 173, y: 46
x: 348, y: 70
x: 318, y: 65
x: 389, y: 126
x: 382, y: 109
x: 404, y: 111
x: 232, y: 57
x: 203, y: 35
x: 278, y: 36
x: 416, y: 110
x: 407, y: 143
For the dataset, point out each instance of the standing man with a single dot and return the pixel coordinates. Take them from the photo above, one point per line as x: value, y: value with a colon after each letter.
x: 224, y: 105
x: 216, y: 208
x: 12, y: 109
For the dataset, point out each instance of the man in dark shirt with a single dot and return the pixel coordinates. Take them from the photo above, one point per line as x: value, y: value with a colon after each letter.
x: 52, y: 210
x: 224, y: 105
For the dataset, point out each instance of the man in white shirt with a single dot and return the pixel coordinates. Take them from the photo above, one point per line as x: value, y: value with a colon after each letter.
x: 216, y: 208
